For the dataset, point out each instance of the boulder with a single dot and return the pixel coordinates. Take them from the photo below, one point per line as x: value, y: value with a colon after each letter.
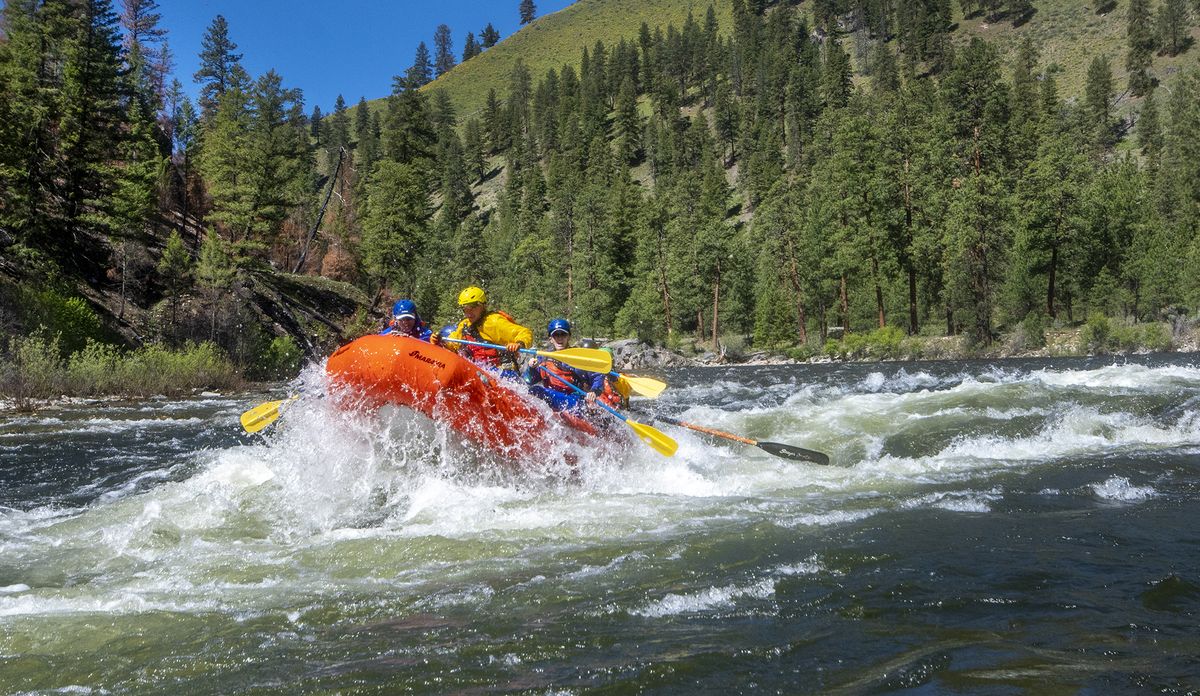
x: 632, y: 354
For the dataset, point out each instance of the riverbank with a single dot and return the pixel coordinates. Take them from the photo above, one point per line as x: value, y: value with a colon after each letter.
x: 35, y: 372
x: 1099, y: 336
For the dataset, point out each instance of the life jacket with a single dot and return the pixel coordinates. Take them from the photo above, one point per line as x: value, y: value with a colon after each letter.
x: 557, y: 376
x: 489, y: 357
x: 612, y: 393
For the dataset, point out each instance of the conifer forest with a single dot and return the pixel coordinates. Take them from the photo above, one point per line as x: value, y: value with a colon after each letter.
x: 801, y: 172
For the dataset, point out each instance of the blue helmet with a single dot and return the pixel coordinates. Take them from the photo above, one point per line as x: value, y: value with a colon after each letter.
x: 446, y: 330
x: 559, y: 324
x: 404, y: 309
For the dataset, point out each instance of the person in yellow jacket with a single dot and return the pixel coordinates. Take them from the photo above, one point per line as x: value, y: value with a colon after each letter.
x: 488, y: 326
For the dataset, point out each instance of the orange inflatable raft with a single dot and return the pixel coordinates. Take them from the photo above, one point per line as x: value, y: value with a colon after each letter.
x: 453, y: 390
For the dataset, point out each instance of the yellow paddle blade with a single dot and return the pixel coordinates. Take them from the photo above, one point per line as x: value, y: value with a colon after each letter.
x: 587, y: 359
x: 262, y: 415
x: 653, y: 437
x: 643, y: 386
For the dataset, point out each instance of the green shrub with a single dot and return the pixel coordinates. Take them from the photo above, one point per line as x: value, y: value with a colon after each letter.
x: 72, y: 319
x: 155, y: 369
x: 97, y: 369
x: 887, y: 343
x: 1150, y: 337
x: 1101, y: 335
x: 1031, y: 332
x: 800, y: 353
x: 1094, y: 338
x: 33, y: 369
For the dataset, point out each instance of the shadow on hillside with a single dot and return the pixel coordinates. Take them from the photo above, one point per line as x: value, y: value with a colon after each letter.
x: 1020, y: 20
x: 490, y: 174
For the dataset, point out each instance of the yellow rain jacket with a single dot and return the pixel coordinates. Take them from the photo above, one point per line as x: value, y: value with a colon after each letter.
x: 493, y: 327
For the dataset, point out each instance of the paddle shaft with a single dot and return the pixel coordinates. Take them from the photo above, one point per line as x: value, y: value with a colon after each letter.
x: 568, y: 359
x: 792, y: 452
x: 707, y: 430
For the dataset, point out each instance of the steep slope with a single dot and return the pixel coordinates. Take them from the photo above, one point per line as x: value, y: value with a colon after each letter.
x: 1068, y: 34
x: 557, y: 39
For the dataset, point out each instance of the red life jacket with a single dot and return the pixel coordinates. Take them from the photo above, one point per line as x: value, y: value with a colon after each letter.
x: 487, y: 357
x: 611, y: 395
x: 557, y: 376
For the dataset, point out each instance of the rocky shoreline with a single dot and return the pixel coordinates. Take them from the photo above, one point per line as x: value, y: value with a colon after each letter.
x: 632, y: 354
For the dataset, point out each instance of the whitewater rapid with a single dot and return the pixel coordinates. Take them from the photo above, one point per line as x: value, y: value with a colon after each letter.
x: 338, y: 517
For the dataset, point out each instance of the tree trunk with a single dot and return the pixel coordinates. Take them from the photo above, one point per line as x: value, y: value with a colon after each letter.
x: 663, y: 285
x: 716, y: 305
x: 794, y: 272
x: 913, y: 327
x: 1050, y: 288
x: 124, y: 272
x: 845, y: 302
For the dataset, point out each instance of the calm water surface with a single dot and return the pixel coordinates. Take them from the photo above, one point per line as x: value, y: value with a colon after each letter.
x: 995, y: 528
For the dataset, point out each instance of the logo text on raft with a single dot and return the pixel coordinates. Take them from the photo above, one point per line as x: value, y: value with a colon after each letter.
x: 426, y: 359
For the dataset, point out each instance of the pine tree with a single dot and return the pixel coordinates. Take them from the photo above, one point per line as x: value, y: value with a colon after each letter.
x: 835, y: 74
x: 1052, y: 230
x: 1023, y: 106
x: 628, y: 124
x: 1098, y: 99
x: 1173, y: 26
x: 443, y: 47
x: 489, y: 37
x: 215, y: 274
x: 175, y: 267
x: 276, y: 156
x: 395, y: 225
x: 473, y: 149
x: 149, y: 58
x: 470, y: 47
x: 314, y: 125
x: 217, y: 65
x: 420, y: 74
x: 337, y: 132
x: 366, y: 132
x: 493, y: 123
x: 1149, y: 131
x: 1138, y: 57
x: 528, y: 11
x: 185, y: 126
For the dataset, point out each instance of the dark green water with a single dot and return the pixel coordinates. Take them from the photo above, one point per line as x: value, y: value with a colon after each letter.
x: 995, y: 528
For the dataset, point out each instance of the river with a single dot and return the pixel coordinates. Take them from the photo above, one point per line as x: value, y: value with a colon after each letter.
x: 983, y: 527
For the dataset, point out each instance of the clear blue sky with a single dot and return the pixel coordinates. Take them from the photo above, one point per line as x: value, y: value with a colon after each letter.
x: 347, y: 47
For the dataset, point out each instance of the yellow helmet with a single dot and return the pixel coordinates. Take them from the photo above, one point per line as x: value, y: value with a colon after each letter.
x: 472, y: 294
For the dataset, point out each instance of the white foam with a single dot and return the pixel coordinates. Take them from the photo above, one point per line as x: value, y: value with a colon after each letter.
x: 1120, y: 489
x: 810, y: 566
x: 826, y: 519
x: 704, y: 600
x: 1130, y: 377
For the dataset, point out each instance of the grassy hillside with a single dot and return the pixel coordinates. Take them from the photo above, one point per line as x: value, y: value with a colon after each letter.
x: 556, y: 39
x: 1068, y: 33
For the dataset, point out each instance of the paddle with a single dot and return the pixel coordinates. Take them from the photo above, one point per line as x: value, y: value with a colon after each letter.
x: 587, y: 359
x: 792, y: 452
x: 647, y: 434
x: 642, y: 386
x: 263, y: 415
